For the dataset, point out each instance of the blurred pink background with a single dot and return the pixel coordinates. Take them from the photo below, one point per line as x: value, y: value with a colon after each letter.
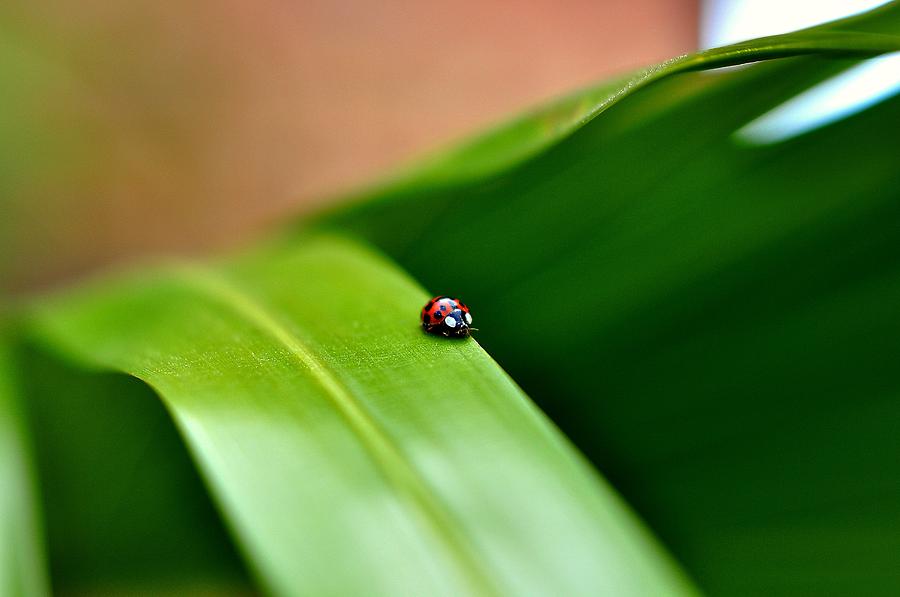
x: 185, y: 127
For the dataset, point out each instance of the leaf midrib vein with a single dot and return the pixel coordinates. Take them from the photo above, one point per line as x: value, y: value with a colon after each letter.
x: 383, y: 450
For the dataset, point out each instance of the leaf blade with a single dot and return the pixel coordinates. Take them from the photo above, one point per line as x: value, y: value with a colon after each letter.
x: 514, y: 142
x: 709, y: 311
x: 22, y: 566
x: 401, y: 473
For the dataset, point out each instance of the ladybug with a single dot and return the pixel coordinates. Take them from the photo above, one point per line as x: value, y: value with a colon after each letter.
x: 447, y: 316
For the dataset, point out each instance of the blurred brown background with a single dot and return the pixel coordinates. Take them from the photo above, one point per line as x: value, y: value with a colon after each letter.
x: 157, y: 127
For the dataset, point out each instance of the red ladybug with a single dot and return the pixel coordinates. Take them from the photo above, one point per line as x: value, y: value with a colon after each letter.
x: 447, y: 316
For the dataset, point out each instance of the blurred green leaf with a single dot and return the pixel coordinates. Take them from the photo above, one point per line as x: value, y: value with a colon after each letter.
x: 125, y: 510
x: 22, y: 566
x: 351, y: 452
x: 39, y: 144
x: 715, y: 324
x: 511, y: 143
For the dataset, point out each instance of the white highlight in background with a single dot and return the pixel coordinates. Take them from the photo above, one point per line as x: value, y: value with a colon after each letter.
x: 729, y: 21
x: 848, y: 93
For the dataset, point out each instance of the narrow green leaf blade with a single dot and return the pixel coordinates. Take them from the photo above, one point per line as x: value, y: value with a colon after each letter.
x: 22, y: 567
x: 717, y: 321
x: 124, y: 508
x: 514, y: 142
x: 350, y: 452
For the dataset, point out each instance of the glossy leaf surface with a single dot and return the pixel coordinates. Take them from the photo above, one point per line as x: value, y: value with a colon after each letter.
x: 713, y: 323
x: 350, y: 451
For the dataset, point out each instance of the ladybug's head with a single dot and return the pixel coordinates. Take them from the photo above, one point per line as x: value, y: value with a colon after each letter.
x: 457, y: 324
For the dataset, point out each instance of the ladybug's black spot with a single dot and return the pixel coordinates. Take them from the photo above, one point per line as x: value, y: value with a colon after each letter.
x: 443, y: 307
x: 426, y: 316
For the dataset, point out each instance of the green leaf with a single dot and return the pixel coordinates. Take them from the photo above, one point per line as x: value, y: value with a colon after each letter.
x: 714, y: 324
x: 350, y: 452
x: 22, y: 570
x: 124, y: 508
x: 514, y: 142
